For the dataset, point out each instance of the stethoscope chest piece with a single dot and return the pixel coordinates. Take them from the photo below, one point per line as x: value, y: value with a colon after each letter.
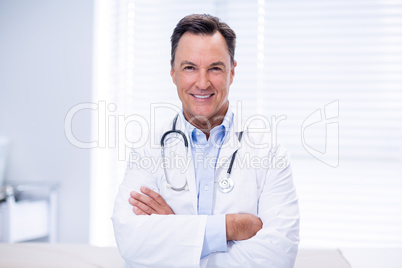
x: 225, y: 185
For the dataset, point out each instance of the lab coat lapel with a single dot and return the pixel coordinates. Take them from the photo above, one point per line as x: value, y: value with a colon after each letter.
x: 230, y: 145
x: 190, y: 173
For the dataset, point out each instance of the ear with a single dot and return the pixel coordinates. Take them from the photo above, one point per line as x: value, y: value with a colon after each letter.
x: 172, y: 72
x: 232, y: 72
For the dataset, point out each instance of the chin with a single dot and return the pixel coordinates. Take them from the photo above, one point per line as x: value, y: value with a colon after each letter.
x: 205, y: 114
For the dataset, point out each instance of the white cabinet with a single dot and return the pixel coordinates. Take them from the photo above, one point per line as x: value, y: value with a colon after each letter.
x: 31, y: 215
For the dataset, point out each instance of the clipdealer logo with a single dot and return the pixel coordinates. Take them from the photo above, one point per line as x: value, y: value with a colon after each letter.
x: 319, y: 131
x: 327, y: 119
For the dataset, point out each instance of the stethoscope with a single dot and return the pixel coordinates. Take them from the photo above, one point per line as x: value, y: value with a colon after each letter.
x: 225, y: 184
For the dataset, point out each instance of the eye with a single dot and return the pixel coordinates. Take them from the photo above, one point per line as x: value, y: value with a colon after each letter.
x: 216, y: 69
x: 189, y: 68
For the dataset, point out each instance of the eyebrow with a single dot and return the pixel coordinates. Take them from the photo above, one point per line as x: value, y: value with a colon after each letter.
x: 217, y: 63
x: 187, y: 63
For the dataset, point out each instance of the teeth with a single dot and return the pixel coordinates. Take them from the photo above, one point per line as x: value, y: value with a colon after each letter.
x: 202, y: 97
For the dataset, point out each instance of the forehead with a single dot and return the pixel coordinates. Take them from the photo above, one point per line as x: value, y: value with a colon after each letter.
x: 202, y: 48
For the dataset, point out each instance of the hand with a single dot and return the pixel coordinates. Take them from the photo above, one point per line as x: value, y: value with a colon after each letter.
x: 148, y: 203
x: 242, y: 226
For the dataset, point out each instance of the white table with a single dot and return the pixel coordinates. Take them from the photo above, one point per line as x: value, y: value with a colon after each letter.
x: 373, y: 257
x: 320, y: 258
x: 43, y: 255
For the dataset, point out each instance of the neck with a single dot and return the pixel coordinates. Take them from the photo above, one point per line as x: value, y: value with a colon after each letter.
x: 207, y: 124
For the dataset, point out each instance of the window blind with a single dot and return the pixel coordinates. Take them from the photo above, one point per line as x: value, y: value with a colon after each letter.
x: 330, y: 70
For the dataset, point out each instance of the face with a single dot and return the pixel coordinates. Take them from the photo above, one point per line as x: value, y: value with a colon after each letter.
x: 203, y: 74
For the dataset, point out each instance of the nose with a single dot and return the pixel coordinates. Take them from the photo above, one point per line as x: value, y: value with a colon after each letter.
x: 203, y: 79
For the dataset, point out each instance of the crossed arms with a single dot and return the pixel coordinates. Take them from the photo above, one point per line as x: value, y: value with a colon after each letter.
x: 239, y: 226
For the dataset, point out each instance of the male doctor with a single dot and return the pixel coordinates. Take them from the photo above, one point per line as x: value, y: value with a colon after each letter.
x: 214, y: 213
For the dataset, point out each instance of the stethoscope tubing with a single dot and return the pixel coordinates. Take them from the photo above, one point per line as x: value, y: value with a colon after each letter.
x: 227, y: 178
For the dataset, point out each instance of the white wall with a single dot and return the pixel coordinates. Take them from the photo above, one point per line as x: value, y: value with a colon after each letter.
x: 45, y: 69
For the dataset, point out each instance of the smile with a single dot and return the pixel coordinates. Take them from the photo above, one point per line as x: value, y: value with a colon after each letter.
x: 202, y: 96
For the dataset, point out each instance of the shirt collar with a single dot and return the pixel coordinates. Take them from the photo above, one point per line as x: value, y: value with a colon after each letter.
x: 217, y: 135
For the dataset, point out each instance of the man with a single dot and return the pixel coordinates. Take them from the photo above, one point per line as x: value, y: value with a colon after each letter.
x: 216, y: 212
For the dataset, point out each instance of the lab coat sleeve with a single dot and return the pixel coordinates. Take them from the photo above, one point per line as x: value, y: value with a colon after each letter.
x: 276, y: 244
x: 155, y: 240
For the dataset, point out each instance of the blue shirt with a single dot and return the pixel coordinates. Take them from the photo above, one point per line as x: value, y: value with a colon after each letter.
x: 205, y: 154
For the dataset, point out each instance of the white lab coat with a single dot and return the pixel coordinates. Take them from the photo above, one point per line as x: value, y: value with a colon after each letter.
x: 177, y: 240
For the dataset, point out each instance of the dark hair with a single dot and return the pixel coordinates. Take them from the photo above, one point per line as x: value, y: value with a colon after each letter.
x: 203, y: 24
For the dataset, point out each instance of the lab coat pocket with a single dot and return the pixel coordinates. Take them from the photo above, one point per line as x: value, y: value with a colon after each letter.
x: 248, y: 196
x: 243, y: 198
x: 179, y: 201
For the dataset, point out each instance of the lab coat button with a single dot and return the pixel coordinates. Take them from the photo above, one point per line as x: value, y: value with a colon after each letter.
x: 206, y: 188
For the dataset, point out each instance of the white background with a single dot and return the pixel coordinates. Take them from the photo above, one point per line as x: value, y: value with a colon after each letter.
x: 311, y: 53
